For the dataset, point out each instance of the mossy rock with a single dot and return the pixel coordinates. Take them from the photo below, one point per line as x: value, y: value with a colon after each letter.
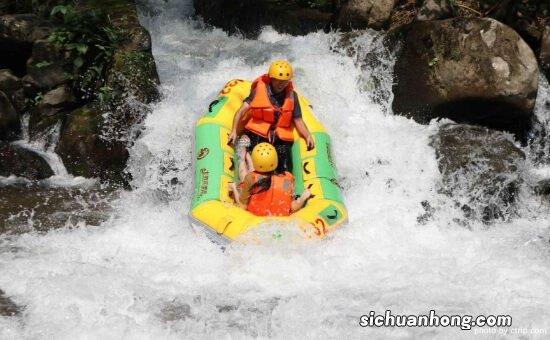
x: 481, y: 169
x: 134, y: 73
x: 83, y: 150
x: 7, y: 306
x: 21, y: 162
x: 41, y: 120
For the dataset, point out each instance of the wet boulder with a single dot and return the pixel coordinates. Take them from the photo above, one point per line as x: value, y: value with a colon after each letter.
x: 434, y: 10
x: 7, y: 306
x: 133, y: 71
x: 361, y: 14
x: 85, y: 152
x: 12, y: 86
x: 134, y: 74
x: 48, y: 67
x: 18, y: 32
x: 21, y: 162
x: 9, y: 82
x: 470, y: 70
x: 481, y: 169
x: 53, y: 107
x: 544, y: 55
x: 61, y: 96
x: 111, y: 88
x: 23, y: 28
x: 542, y: 188
x: 9, y: 119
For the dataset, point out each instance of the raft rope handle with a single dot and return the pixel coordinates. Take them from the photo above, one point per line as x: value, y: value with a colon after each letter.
x: 333, y: 217
x: 312, y: 195
x: 214, y: 102
x: 224, y: 229
x: 306, y: 170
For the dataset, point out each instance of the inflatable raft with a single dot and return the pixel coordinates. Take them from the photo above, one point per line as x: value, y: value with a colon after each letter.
x: 216, y: 167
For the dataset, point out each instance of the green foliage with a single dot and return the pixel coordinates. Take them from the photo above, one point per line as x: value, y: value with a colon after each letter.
x: 35, y: 100
x: 106, y: 95
x: 319, y: 4
x: 91, y: 40
x: 43, y: 64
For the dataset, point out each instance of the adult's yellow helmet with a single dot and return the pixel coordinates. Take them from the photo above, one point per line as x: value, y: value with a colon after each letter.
x: 280, y: 69
x: 264, y: 157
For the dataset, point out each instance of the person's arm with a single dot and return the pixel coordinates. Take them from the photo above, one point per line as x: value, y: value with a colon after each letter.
x: 298, y: 203
x: 304, y: 132
x: 245, y: 191
x: 236, y: 120
x: 236, y: 194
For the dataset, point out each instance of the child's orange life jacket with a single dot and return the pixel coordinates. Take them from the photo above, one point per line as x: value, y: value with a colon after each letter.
x: 275, y: 201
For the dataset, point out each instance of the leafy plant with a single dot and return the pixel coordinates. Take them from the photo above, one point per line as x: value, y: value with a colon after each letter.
x: 91, y: 40
x: 106, y: 95
x: 35, y: 100
x: 43, y: 64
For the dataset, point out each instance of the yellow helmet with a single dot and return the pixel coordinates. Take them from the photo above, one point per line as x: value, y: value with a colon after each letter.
x: 264, y: 157
x: 280, y: 69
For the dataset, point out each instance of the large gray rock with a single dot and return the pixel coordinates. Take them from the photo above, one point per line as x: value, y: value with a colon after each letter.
x: 12, y: 86
x: 53, y: 107
x: 9, y: 82
x: 360, y: 14
x: 61, y: 96
x: 481, y: 169
x: 133, y: 71
x: 20, y: 162
x: 23, y: 28
x: 49, y: 65
x: 434, y: 10
x: 7, y: 306
x: 9, y: 120
x: 469, y: 70
x: 83, y: 150
x: 543, y: 188
x: 545, y: 52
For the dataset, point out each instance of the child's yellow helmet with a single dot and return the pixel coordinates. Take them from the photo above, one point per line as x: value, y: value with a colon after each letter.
x: 264, y: 157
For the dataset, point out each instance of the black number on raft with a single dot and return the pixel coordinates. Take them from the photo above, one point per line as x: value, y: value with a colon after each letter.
x: 232, y: 166
x: 212, y: 105
x: 306, y: 170
x: 309, y: 187
x: 332, y: 217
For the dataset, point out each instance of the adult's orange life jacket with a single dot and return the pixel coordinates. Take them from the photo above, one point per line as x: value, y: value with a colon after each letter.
x: 266, y: 116
x: 275, y: 201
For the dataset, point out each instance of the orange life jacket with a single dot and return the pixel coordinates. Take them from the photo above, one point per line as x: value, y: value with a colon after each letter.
x: 276, y: 200
x: 263, y: 112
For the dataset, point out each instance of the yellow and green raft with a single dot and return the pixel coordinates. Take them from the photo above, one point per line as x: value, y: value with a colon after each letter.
x: 216, y: 167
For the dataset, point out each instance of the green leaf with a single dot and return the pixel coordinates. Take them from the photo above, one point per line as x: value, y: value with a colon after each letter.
x: 82, y: 48
x: 78, y: 62
x: 59, y: 9
x: 43, y: 64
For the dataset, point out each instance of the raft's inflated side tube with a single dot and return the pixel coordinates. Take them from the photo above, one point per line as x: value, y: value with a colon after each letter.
x: 216, y: 167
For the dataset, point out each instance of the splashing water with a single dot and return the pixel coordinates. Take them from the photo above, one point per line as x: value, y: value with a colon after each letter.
x: 146, y: 274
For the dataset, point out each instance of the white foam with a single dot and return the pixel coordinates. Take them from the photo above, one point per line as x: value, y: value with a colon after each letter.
x: 145, y: 273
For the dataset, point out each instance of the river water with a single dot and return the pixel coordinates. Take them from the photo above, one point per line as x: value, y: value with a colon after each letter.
x: 116, y: 264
